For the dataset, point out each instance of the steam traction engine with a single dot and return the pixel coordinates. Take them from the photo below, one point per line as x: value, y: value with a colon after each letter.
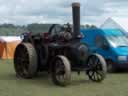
x: 58, y: 52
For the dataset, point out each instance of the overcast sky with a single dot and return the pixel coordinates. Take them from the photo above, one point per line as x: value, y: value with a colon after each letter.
x: 59, y: 11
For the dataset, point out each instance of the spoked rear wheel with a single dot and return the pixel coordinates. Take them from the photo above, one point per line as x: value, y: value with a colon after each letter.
x: 25, y: 60
x: 97, y: 68
x: 61, y: 71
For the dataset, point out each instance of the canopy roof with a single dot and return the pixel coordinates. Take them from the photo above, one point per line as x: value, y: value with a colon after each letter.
x: 10, y: 38
x: 116, y: 23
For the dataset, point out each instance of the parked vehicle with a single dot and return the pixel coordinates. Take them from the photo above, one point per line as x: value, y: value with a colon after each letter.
x: 58, y: 52
x: 112, y: 44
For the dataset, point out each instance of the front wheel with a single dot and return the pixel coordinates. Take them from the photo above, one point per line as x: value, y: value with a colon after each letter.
x: 61, y: 71
x: 97, y: 68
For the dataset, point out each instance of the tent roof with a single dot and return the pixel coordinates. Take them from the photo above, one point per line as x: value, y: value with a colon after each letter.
x: 115, y: 22
x: 10, y: 38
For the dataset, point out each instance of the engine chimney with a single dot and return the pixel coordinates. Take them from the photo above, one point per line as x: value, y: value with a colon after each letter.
x: 76, y: 19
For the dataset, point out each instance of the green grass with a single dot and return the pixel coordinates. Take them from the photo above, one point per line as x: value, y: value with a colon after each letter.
x: 114, y: 85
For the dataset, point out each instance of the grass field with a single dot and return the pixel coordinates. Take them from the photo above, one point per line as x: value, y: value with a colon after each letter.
x: 114, y: 85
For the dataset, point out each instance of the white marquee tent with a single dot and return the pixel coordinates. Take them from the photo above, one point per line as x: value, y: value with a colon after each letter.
x: 8, y: 45
x: 118, y: 23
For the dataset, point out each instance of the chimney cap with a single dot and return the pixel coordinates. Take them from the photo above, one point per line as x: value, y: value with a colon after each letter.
x: 76, y: 4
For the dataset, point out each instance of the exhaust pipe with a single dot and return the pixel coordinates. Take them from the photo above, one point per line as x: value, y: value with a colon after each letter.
x: 76, y: 19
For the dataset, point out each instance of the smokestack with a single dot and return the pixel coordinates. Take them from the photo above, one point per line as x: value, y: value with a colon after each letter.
x: 76, y: 19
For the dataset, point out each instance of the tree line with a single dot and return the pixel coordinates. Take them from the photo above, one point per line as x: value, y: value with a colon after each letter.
x: 16, y: 30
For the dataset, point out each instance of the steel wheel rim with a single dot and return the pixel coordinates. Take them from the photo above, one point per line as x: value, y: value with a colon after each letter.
x: 60, y: 71
x: 22, y: 61
x: 95, y: 69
